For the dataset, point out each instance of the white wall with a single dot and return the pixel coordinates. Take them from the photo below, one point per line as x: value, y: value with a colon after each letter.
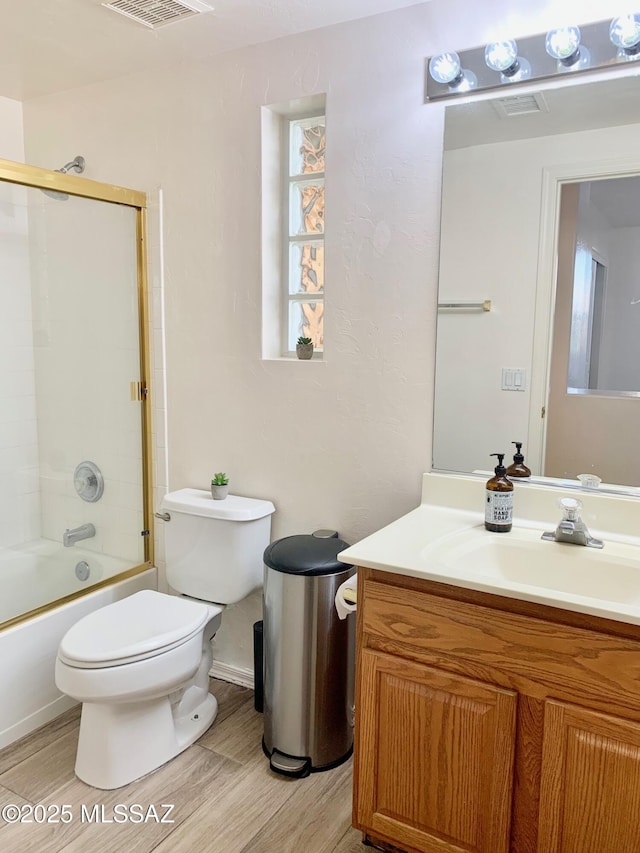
x: 11, y: 134
x: 342, y: 443
x: 19, y: 486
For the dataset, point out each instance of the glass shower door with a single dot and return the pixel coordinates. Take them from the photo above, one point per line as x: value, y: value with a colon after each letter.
x: 72, y: 458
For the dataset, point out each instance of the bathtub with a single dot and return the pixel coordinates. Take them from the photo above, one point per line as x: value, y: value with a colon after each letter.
x: 35, y: 576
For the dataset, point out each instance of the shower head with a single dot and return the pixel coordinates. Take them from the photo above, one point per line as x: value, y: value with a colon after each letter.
x: 77, y: 164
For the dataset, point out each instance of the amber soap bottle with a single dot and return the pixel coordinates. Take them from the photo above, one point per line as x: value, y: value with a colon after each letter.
x: 498, y: 506
x: 517, y: 467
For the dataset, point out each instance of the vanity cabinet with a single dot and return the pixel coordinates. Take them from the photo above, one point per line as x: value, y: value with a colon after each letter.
x: 590, y: 782
x: 440, y: 741
x: 490, y: 725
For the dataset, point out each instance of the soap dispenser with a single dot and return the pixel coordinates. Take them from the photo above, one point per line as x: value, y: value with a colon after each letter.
x: 498, y: 507
x: 518, y: 468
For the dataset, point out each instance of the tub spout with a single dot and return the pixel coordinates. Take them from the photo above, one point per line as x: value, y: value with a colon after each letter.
x: 85, y: 531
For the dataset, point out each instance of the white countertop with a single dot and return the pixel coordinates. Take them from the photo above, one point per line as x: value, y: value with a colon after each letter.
x: 444, y: 540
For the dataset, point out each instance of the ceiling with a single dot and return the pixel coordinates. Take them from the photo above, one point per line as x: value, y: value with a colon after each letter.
x: 49, y: 46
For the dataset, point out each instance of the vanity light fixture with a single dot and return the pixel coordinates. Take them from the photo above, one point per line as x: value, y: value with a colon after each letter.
x: 599, y: 46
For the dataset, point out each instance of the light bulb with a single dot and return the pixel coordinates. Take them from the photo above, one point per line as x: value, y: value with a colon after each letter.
x: 624, y: 33
x: 445, y: 67
x: 501, y: 55
x: 563, y: 44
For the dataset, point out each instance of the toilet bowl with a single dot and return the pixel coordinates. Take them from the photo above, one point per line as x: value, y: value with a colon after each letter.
x: 141, y: 665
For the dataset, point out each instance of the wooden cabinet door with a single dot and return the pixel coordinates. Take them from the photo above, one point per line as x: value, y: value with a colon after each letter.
x: 434, y: 757
x: 590, y: 783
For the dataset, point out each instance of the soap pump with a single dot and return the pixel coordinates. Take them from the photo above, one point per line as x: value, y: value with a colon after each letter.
x: 517, y: 467
x: 498, y: 507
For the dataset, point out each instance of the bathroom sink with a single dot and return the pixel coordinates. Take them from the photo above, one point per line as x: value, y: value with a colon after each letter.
x: 522, y: 558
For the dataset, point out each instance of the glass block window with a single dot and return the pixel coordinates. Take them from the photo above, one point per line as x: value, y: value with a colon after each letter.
x: 304, y: 250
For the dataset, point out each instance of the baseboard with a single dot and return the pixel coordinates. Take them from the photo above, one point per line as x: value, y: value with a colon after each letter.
x: 234, y: 674
x: 35, y: 720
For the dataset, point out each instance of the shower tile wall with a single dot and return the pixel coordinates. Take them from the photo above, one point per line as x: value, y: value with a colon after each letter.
x: 19, y: 481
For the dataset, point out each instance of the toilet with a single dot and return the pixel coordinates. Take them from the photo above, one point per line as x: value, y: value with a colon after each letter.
x: 140, y: 666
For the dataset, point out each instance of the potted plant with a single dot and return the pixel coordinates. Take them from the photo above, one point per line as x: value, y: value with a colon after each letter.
x: 219, y: 486
x: 304, y: 348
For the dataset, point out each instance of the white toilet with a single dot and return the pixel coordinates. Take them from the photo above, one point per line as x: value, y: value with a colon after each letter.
x: 141, y: 666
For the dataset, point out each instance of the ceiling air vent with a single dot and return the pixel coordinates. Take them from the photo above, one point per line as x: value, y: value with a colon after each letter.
x: 519, y: 105
x: 158, y: 13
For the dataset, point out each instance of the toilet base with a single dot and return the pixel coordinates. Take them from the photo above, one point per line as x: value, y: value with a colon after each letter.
x: 121, y: 742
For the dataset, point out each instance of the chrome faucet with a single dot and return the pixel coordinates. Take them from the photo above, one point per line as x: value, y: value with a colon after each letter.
x: 85, y: 531
x: 572, y: 528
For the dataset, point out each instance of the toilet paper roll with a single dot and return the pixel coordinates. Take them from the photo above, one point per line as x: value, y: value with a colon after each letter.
x: 346, y: 597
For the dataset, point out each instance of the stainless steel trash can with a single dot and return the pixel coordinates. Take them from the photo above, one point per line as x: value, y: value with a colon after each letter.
x: 308, y: 657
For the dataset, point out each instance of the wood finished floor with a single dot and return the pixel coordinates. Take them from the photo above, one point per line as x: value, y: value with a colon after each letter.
x: 226, y: 800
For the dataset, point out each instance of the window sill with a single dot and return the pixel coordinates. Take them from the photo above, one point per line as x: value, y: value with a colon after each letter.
x: 313, y: 360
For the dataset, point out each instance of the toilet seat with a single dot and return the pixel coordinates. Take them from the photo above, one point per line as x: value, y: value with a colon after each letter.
x: 141, y: 626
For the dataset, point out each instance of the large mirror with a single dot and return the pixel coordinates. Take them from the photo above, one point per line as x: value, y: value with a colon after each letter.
x: 538, y: 337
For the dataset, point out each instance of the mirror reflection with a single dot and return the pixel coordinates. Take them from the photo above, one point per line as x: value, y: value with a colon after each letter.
x: 605, y: 219
x: 541, y: 216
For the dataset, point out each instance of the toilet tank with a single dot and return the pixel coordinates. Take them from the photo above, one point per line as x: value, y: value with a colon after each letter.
x: 213, y: 549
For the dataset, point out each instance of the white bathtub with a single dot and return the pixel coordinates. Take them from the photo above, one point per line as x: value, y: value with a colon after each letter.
x: 30, y: 697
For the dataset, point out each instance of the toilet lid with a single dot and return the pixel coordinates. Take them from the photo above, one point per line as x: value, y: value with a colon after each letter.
x: 144, y: 624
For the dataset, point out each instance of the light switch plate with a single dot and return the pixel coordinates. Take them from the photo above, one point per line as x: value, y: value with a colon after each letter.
x: 514, y: 379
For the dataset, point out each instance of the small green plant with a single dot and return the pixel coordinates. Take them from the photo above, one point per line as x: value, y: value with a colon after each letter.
x: 220, y: 479
x: 305, y: 341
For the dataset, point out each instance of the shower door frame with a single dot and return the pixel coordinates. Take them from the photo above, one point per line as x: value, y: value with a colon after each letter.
x: 46, y: 179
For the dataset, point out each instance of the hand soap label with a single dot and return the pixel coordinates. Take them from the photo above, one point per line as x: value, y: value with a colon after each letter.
x: 498, y: 508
